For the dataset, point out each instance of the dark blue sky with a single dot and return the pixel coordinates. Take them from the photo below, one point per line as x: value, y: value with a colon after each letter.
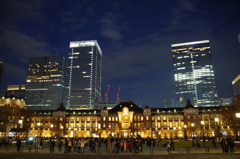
x: 134, y: 35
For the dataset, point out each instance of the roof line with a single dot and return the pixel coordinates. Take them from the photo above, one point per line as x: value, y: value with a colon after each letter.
x: 190, y: 43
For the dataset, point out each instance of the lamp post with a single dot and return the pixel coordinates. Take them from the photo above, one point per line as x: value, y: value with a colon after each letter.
x: 192, y: 125
x: 185, y: 132
x: 20, y: 122
x: 202, y: 122
x: 217, y: 125
x: 180, y: 131
x: 237, y: 122
x: 51, y: 130
x: 174, y: 131
x: 39, y: 128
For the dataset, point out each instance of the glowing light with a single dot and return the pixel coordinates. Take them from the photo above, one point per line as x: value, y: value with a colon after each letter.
x: 190, y: 43
x: 238, y: 115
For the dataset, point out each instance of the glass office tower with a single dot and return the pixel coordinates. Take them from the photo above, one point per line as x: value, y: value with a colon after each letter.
x: 1, y: 70
x: 84, y: 74
x: 194, y: 75
x: 45, y: 83
x: 236, y: 85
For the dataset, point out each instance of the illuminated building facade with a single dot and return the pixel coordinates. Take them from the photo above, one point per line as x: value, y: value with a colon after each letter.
x: 126, y: 119
x: 84, y: 74
x: 17, y: 90
x: 45, y: 83
x: 194, y: 74
x: 236, y: 85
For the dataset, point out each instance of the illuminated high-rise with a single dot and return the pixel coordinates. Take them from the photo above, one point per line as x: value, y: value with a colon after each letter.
x: 84, y: 74
x: 194, y: 74
x: 45, y: 83
x: 236, y: 85
x: 1, y: 70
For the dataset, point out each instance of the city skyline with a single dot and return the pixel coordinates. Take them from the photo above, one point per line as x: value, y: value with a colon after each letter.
x: 135, y: 39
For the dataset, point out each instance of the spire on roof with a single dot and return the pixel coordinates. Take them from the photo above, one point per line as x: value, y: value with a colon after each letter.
x: 189, y: 104
x: 61, y: 107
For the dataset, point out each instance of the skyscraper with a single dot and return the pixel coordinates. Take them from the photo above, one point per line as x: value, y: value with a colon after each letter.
x: 1, y: 70
x: 45, y: 83
x: 84, y: 74
x: 236, y: 85
x: 194, y: 75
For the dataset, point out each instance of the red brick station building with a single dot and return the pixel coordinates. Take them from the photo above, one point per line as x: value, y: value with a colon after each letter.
x: 126, y: 119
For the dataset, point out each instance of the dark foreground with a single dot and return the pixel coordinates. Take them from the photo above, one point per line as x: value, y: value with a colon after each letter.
x: 120, y: 156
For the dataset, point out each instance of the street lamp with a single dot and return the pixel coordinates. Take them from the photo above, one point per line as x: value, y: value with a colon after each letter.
x: 202, y: 122
x: 180, y: 135
x: 185, y: 132
x: 174, y: 131
x: 237, y: 116
x: 20, y: 123
x: 192, y: 125
x: 216, y: 121
x: 39, y: 124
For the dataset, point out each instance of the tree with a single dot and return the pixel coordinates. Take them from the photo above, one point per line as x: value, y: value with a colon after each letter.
x: 229, y: 115
x: 9, y: 117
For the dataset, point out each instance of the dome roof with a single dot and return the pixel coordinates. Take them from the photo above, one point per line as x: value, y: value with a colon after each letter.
x: 146, y: 106
x: 12, y: 101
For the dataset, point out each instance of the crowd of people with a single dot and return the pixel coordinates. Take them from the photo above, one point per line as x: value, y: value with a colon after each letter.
x: 112, y: 145
x: 79, y: 145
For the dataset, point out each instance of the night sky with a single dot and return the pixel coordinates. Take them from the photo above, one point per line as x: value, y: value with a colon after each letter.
x: 135, y: 37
